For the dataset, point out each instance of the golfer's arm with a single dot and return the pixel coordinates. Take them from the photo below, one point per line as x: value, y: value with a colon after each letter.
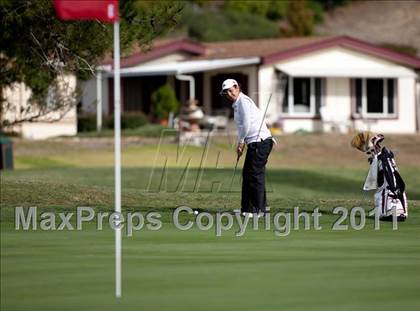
x: 245, y: 114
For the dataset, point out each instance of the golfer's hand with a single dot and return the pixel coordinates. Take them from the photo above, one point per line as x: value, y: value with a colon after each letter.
x: 240, y: 149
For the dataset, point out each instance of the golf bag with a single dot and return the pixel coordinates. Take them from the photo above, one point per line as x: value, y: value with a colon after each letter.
x: 390, y: 193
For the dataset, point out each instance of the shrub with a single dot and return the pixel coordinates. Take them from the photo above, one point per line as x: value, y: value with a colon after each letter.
x: 401, y: 48
x: 271, y: 9
x: 130, y: 120
x: 148, y: 130
x: 164, y: 101
x: 301, y: 19
x: 87, y: 123
x: 228, y: 25
x: 151, y: 130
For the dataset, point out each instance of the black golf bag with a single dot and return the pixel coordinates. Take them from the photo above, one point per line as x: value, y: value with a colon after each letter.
x: 391, y: 187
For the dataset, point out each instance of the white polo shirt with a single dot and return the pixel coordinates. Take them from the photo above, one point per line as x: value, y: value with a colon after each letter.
x: 249, y: 120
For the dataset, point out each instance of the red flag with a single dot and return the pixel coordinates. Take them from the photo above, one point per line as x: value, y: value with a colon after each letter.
x: 104, y: 10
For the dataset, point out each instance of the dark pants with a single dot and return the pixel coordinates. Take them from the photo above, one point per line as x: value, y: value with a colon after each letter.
x: 254, y: 197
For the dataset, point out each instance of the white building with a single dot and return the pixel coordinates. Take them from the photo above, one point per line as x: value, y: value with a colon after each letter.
x: 329, y: 82
x: 55, y: 123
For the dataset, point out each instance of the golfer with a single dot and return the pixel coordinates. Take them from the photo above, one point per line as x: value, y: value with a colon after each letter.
x: 252, y: 132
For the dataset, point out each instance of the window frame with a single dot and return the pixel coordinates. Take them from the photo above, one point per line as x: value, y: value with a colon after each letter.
x: 312, y: 98
x: 385, y: 107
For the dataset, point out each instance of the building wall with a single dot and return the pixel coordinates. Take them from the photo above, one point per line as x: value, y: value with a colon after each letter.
x: 338, y: 96
x: 175, y: 57
x: 336, y: 111
x: 42, y: 130
x: 309, y: 125
x: 269, y: 96
x: 342, y: 62
x: 18, y: 95
x: 89, y: 95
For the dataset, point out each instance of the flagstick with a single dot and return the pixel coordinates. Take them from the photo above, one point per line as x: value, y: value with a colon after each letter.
x: 117, y: 139
x: 98, y: 100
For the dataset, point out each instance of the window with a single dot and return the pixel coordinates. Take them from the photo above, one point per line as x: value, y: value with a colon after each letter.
x: 318, y: 96
x: 285, y: 101
x: 303, y: 96
x: 358, y: 90
x: 374, y: 97
x: 391, y: 95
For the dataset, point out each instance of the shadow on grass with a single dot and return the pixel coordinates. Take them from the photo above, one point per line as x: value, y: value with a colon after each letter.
x: 307, y: 182
x: 315, y: 181
x: 284, y: 182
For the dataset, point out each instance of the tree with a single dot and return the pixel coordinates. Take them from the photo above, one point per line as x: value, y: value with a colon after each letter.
x: 39, y: 50
x: 300, y: 19
x: 164, y: 101
x: 271, y: 9
x: 216, y: 24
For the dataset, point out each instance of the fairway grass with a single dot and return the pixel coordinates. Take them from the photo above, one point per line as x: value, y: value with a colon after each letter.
x: 171, y: 269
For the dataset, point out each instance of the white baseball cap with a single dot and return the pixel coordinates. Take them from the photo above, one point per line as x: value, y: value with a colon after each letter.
x: 227, y: 84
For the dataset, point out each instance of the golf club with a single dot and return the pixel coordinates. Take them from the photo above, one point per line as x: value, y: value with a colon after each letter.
x: 234, y: 172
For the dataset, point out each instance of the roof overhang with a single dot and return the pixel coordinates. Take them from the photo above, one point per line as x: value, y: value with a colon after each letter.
x: 186, y: 67
x: 346, y: 72
x: 342, y: 62
x: 345, y: 42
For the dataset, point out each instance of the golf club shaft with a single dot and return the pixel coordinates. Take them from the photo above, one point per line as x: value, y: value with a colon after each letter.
x: 234, y: 173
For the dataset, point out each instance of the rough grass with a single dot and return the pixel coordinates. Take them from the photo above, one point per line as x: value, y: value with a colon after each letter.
x: 292, y: 151
x: 71, y: 187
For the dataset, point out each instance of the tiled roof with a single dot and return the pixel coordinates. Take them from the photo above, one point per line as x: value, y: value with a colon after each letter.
x: 252, y: 48
x: 269, y: 50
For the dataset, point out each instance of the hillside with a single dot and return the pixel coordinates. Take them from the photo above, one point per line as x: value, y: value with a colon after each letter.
x: 380, y: 22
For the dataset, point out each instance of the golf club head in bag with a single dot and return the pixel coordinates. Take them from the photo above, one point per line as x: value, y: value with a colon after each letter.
x: 367, y: 142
